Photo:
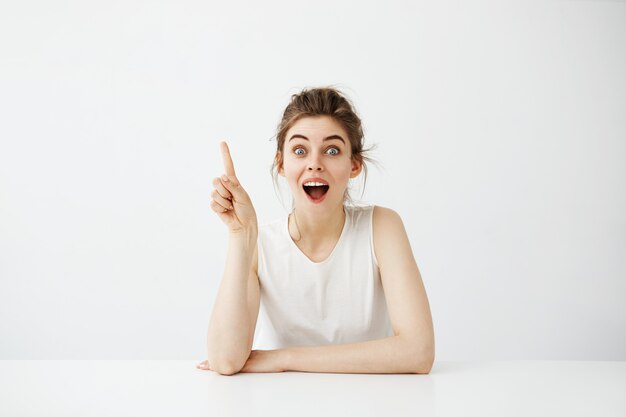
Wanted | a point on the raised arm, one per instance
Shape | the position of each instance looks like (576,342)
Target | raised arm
(228,339)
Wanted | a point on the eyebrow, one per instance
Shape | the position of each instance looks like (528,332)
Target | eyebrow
(331,137)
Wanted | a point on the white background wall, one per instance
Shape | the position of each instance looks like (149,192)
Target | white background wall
(502,139)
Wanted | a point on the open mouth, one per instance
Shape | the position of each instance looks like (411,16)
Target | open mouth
(316,191)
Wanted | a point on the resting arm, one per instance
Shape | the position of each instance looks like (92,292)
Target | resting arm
(391,355)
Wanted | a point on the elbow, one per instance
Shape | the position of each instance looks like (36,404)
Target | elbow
(424,368)
(423,358)
(227,370)
(226,360)
(225,365)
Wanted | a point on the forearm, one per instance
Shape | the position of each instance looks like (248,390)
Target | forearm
(227,340)
(391,355)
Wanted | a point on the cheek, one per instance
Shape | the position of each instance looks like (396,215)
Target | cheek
(291,171)
(293,163)
(343,171)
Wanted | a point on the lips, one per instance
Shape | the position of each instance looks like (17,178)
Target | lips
(316,193)
(315,179)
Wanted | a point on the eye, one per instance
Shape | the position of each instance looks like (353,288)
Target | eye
(332,148)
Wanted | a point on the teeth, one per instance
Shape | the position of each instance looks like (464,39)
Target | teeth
(313,184)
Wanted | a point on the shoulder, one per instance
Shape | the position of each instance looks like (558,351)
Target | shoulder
(388,233)
(384,216)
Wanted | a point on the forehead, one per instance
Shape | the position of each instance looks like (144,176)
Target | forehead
(316,128)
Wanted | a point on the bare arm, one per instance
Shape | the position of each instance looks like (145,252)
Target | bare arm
(229,337)
(391,355)
(229,327)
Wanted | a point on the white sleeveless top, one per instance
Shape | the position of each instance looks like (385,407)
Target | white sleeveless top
(305,303)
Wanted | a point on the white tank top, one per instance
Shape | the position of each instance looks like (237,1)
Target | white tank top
(305,303)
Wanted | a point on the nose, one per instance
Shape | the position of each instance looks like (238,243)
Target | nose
(314,164)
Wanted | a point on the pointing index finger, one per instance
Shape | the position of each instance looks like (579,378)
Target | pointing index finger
(228,162)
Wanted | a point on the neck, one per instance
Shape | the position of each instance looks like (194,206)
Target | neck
(316,228)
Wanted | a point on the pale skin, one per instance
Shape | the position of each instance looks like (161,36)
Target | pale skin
(412,348)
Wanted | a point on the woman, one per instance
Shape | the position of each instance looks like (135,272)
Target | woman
(335,286)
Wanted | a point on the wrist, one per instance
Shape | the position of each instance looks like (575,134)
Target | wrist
(247,235)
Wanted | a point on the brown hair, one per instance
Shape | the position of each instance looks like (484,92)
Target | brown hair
(324,101)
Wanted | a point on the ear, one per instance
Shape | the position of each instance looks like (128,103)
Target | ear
(279,168)
(357,166)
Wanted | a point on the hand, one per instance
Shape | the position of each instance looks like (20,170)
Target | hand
(242,216)
(258,361)
(265,361)
(204,365)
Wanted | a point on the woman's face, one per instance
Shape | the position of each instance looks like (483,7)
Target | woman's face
(318,147)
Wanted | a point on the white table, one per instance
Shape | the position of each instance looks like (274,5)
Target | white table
(177,388)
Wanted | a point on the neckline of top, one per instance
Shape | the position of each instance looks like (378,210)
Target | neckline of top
(341,237)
